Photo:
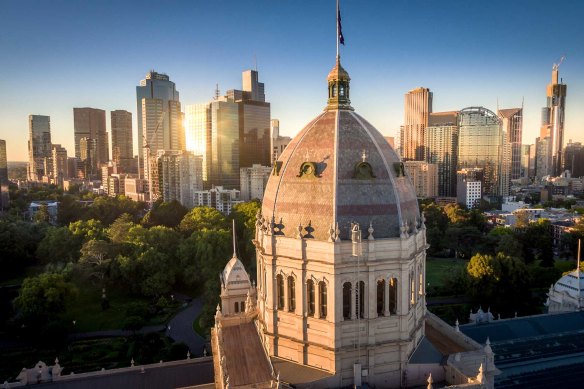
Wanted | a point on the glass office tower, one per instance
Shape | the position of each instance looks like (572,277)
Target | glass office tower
(481,144)
(39,145)
(441,149)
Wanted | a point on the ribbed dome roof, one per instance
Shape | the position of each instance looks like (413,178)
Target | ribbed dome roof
(339,169)
(572,284)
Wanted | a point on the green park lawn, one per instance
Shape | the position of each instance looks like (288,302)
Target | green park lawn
(439,269)
(87,312)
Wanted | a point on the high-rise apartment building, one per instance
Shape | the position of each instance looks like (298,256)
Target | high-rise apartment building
(60,164)
(90,123)
(231,132)
(512,121)
(469,187)
(179,176)
(253,181)
(527,163)
(4,193)
(86,166)
(424,177)
(574,158)
(417,107)
(278,143)
(441,144)
(552,128)
(219,198)
(122,141)
(39,145)
(482,144)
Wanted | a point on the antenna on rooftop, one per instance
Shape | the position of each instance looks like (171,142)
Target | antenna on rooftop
(255,63)
(217,92)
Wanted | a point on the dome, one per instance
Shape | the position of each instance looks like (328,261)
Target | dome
(234,273)
(572,284)
(338,170)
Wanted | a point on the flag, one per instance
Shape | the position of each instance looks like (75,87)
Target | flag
(341,38)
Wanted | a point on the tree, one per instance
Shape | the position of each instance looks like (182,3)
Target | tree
(96,258)
(456,214)
(107,209)
(18,245)
(119,230)
(59,245)
(165,214)
(70,210)
(202,218)
(87,230)
(43,297)
(500,281)
(42,215)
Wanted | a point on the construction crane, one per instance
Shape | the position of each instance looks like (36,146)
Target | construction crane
(557,65)
(147,156)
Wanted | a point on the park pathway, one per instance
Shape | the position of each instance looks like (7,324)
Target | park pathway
(180,328)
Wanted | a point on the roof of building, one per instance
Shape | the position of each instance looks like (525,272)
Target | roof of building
(507,113)
(339,169)
(164,375)
(535,348)
(245,358)
(571,283)
(234,273)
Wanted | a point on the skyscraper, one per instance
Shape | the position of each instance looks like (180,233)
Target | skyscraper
(90,123)
(481,144)
(160,120)
(4,194)
(122,141)
(231,132)
(424,177)
(552,127)
(278,143)
(39,145)
(441,144)
(60,165)
(574,158)
(417,107)
(512,121)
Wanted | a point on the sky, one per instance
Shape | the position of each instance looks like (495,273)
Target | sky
(56,55)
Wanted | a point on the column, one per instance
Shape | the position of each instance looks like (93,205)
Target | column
(354,301)
(386,298)
(317,300)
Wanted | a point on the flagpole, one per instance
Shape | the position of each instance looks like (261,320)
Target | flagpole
(338,30)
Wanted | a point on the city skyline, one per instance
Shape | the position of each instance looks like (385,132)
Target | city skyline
(501,62)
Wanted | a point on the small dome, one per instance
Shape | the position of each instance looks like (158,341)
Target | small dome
(338,73)
(572,284)
(235,275)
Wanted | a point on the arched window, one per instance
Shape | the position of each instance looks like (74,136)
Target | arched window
(380,297)
(242,305)
(421,284)
(322,296)
(334,90)
(360,300)
(412,289)
(310,297)
(280,291)
(341,90)
(236,307)
(393,295)
(347,300)
(291,294)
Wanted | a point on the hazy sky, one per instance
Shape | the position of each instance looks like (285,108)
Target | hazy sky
(56,55)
